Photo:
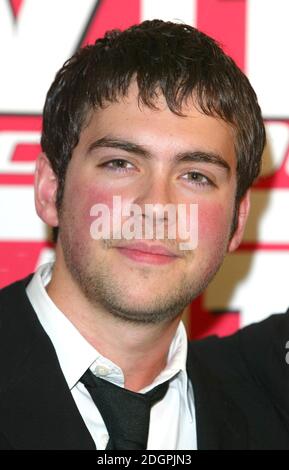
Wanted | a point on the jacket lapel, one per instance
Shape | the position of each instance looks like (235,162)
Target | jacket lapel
(37,408)
(220,423)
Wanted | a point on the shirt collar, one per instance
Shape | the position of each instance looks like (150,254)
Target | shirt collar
(76,354)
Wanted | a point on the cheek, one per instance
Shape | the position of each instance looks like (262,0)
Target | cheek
(214,223)
(79,200)
(95,195)
(82,201)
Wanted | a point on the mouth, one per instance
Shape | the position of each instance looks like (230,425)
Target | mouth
(144,253)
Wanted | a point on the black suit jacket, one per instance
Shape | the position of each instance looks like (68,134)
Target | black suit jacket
(240,385)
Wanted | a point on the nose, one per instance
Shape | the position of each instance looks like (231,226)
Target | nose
(156,194)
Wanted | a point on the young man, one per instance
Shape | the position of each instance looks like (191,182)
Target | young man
(93,350)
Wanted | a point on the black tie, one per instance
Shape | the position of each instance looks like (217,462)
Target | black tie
(126,414)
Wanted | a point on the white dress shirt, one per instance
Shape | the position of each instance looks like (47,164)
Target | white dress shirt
(172,422)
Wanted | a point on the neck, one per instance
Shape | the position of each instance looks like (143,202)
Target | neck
(139,350)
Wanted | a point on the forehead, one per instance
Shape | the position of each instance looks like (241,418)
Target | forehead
(158,127)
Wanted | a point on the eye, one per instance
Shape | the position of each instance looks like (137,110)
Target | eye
(194,177)
(118,165)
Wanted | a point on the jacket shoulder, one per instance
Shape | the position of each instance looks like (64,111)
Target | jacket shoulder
(16,317)
(250,347)
(263,347)
(13,300)
(251,366)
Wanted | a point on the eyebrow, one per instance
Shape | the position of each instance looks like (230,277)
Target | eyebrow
(198,156)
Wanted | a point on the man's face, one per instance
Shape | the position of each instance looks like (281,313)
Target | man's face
(147,156)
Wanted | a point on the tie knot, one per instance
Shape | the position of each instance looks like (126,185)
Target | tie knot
(126,414)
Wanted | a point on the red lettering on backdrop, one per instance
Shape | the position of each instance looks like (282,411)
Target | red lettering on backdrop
(18,259)
(279,179)
(15,7)
(111,14)
(23,152)
(225,21)
(26,152)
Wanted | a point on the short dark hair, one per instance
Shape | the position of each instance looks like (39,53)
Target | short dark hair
(176,59)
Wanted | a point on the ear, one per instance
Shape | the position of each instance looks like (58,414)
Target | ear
(244,208)
(45,187)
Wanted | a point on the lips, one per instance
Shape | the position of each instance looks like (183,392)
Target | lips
(145,253)
(149,249)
